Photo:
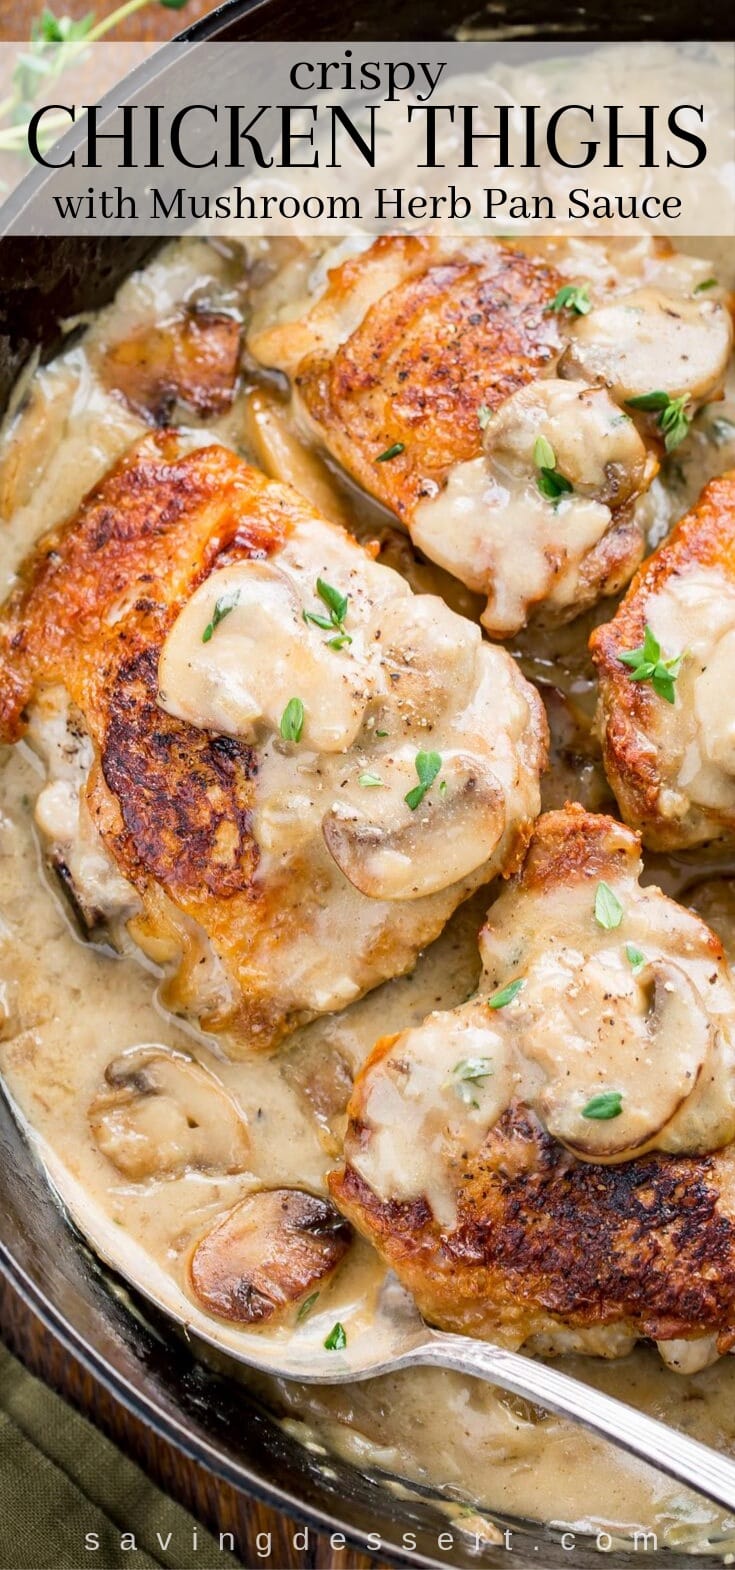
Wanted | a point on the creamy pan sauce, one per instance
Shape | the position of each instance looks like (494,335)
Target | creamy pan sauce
(72,1008)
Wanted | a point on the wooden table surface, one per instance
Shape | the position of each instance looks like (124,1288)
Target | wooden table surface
(218,1505)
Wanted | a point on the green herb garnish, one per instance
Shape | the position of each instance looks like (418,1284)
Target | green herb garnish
(608,1104)
(645,664)
(391,452)
(550,482)
(465,1073)
(368,779)
(573,297)
(608,909)
(306,1306)
(292,720)
(634,956)
(336,604)
(673,420)
(427,766)
(707,283)
(337,1339)
(223,606)
(505,995)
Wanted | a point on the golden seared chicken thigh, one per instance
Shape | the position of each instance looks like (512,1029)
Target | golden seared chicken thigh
(666,664)
(267,758)
(538,1164)
(496,396)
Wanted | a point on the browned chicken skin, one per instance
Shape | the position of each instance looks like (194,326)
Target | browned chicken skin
(451,337)
(480,390)
(495,1225)
(672,764)
(270,883)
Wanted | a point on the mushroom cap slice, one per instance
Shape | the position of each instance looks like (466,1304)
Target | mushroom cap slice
(240,648)
(388,851)
(161,1114)
(266,1254)
(651,1056)
(596,447)
(647,341)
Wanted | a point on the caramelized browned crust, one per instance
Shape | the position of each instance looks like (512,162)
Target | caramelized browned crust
(452,336)
(192,359)
(543,1240)
(630,711)
(264,1256)
(171,802)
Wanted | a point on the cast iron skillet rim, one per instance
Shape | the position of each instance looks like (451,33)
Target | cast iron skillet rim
(164,1426)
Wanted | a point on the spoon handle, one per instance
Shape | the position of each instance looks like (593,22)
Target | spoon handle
(690,1462)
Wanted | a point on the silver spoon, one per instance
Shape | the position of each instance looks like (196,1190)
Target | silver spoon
(398,1338)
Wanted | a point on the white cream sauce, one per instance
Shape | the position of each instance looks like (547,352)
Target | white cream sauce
(71,1008)
(694,614)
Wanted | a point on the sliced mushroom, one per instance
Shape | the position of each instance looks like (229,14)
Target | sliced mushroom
(648,341)
(267,1254)
(596,446)
(389,851)
(162,1114)
(649,1051)
(191,359)
(429,655)
(259,654)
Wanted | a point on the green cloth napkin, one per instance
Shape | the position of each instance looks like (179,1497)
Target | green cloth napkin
(61,1479)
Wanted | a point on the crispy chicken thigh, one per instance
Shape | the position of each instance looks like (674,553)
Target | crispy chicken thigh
(550,1163)
(481,390)
(269,761)
(669,746)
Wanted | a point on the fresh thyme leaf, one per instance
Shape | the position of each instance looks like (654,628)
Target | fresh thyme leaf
(608,1104)
(339,642)
(646,664)
(391,452)
(707,283)
(368,779)
(505,995)
(427,766)
(318,620)
(467,1071)
(544,456)
(381,732)
(550,482)
(634,956)
(336,1341)
(335,601)
(223,606)
(608,909)
(673,420)
(484,416)
(573,297)
(306,1306)
(292,720)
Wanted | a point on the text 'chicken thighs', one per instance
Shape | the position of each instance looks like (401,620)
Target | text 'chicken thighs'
(508,401)
(666,664)
(489,1150)
(269,758)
